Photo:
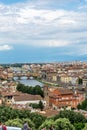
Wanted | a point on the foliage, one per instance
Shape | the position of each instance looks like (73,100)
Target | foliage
(79,125)
(80,81)
(36,106)
(47,124)
(30,123)
(37,119)
(41,106)
(14,122)
(60,124)
(75,118)
(9,116)
(15,117)
(83,105)
(19,123)
(30,90)
(5,113)
(63,124)
(85,128)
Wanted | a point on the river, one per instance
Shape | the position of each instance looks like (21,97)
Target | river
(29,82)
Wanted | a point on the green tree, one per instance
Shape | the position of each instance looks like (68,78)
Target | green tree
(79,125)
(37,119)
(41,105)
(38,90)
(83,105)
(63,124)
(30,90)
(19,123)
(80,81)
(34,105)
(30,123)
(85,128)
(13,117)
(60,124)
(7,113)
(47,124)
(74,117)
(14,122)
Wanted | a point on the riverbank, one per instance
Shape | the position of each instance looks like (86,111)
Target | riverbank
(36,81)
(47,83)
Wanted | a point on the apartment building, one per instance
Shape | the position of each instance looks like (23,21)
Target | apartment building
(65,98)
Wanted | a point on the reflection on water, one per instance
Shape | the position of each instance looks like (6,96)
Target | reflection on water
(29,82)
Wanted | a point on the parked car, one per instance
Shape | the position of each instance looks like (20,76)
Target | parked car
(13,128)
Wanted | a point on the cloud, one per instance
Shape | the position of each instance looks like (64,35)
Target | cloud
(5,47)
(27,23)
(51,43)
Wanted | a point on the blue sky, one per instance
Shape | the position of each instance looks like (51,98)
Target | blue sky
(43,30)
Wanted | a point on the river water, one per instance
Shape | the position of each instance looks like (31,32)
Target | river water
(29,82)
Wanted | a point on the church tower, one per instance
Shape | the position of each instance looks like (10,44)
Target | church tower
(46,95)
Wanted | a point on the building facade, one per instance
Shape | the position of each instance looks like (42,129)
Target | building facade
(65,98)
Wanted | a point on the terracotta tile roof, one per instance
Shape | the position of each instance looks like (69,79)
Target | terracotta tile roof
(26,97)
(9,93)
(62,91)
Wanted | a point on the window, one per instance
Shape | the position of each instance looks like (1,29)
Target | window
(9,97)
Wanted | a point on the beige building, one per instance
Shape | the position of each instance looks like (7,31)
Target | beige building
(65,78)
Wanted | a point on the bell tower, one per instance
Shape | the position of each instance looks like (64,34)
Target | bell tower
(46,95)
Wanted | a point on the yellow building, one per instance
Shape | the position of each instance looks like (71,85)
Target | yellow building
(65,79)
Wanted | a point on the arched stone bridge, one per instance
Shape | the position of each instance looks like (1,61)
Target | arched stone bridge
(28,75)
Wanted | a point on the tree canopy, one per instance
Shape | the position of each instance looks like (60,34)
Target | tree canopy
(40,105)
(85,128)
(83,105)
(59,124)
(77,119)
(64,120)
(30,90)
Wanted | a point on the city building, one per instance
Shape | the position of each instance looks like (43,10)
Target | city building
(65,98)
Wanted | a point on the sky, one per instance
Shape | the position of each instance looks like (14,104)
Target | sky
(36,31)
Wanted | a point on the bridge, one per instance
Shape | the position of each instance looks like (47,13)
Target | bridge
(28,75)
